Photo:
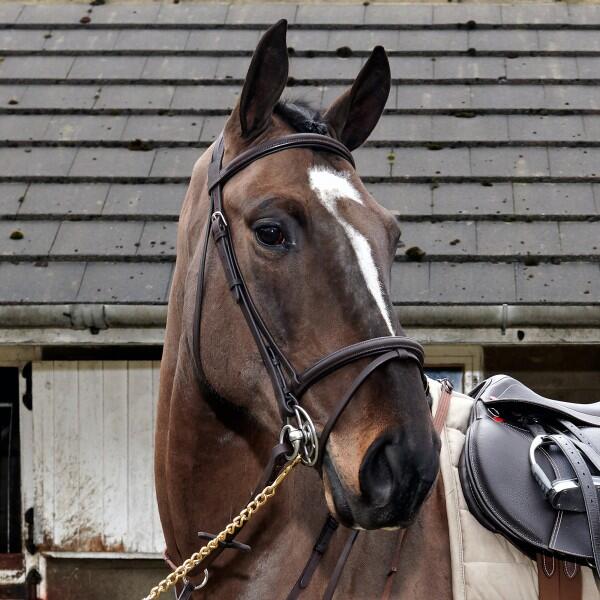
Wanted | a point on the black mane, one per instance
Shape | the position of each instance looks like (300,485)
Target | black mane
(301,116)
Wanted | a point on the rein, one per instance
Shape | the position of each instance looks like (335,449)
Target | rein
(298,439)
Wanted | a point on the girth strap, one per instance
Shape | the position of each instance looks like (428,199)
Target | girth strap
(558,580)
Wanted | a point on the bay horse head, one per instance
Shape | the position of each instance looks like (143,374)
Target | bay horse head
(313,251)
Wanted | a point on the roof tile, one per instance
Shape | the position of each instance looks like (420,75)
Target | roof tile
(541,13)
(125,282)
(193,13)
(64,199)
(114,162)
(458,13)
(11,197)
(567,282)
(41,282)
(518,239)
(33,238)
(440,238)
(554,199)
(261,13)
(479,282)
(89,238)
(399,14)
(351,14)
(158,239)
(473,199)
(9,13)
(36,162)
(148,199)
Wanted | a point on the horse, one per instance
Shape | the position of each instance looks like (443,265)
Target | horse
(315,250)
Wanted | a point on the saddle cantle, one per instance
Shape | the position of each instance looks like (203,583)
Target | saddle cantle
(529,470)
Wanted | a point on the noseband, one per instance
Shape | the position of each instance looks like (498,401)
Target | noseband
(298,431)
(298,434)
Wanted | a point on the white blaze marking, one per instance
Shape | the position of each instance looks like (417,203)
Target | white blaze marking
(330,186)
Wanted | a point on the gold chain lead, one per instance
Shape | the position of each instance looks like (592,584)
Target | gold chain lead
(193,561)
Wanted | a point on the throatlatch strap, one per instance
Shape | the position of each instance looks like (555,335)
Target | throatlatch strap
(341,563)
(389,582)
(319,548)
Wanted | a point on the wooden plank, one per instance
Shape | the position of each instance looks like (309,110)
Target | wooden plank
(91,439)
(27,446)
(140,477)
(43,449)
(115,453)
(158,540)
(66,455)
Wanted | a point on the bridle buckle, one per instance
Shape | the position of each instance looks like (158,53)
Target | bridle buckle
(219,216)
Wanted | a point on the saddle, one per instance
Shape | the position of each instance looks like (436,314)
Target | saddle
(530,470)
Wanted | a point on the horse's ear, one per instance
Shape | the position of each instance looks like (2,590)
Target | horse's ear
(355,113)
(265,81)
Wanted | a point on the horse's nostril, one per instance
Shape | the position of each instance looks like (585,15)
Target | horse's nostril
(380,471)
(395,480)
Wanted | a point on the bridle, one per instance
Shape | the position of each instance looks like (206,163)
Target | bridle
(298,434)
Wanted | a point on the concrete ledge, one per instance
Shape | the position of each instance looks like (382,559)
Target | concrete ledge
(98,317)
(26,327)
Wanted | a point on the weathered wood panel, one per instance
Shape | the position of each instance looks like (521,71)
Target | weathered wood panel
(115,452)
(93,425)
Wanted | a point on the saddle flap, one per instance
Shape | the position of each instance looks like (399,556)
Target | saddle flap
(498,484)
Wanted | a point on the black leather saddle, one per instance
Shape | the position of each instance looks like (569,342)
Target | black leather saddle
(530,470)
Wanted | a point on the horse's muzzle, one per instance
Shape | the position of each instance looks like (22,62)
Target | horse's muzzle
(394,483)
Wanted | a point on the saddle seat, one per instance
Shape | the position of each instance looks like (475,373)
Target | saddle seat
(517,462)
(502,390)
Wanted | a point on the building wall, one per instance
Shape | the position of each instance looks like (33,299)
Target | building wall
(88,470)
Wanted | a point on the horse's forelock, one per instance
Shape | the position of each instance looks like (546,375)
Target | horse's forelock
(301,116)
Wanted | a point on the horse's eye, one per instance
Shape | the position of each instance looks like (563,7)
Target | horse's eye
(270,235)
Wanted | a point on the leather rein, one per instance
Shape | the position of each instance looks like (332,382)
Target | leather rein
(298,435)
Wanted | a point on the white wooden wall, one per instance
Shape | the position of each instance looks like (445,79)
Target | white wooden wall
(93,439)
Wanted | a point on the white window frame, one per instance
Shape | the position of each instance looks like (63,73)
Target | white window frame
(469,357)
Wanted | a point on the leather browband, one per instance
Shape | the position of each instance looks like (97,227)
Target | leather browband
(294,140)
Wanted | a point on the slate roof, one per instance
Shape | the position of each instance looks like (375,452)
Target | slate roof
(489,151)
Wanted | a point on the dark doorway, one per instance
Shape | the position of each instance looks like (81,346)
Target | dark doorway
(565,372)
(10,463)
